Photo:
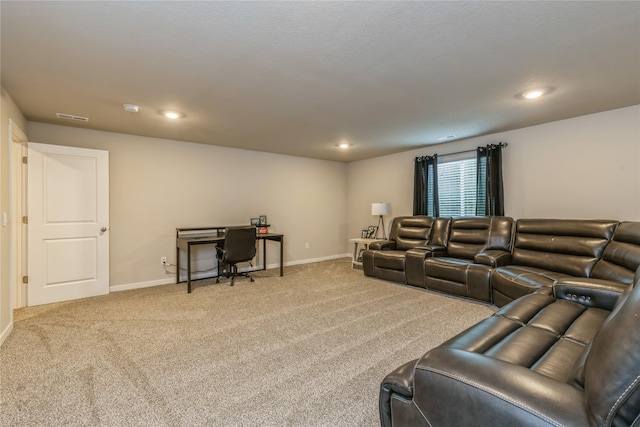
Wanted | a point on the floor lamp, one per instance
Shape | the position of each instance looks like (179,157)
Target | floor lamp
(381,209)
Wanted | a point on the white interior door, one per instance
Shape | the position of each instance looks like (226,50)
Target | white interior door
(68,216)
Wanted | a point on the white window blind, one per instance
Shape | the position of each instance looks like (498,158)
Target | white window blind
(457,187)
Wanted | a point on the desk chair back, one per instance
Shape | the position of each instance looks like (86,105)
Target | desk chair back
(239,246)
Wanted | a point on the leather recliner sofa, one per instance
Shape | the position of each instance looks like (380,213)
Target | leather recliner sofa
(387,259)
(548,250)
(475,247)
(496,260)
(571,358)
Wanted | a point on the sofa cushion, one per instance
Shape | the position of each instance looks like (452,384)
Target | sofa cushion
(621,257)
(393,260)
(514,281)
(412,232)
(571,247)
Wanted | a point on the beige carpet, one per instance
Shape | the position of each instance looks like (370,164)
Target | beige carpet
(306,349)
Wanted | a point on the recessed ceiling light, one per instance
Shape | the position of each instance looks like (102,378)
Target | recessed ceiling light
(344,145)
(172,115)
(534,93)
(131,108)
(444,138)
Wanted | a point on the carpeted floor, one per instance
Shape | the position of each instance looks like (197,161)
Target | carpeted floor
(306,349)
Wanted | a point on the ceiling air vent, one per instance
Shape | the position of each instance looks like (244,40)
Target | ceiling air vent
(72,117)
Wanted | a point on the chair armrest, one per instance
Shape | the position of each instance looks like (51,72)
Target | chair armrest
(596,293)
(384,245)
(457,387)
(493,258)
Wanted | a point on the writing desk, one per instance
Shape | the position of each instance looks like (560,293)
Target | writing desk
(188,237)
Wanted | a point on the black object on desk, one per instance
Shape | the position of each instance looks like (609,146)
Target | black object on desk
(188,237)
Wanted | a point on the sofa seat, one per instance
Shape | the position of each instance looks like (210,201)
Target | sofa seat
(513,281)
(567,359)
(386,265)
(459,276)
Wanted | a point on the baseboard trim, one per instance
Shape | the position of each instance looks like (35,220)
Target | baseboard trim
(170,280)
(6,332)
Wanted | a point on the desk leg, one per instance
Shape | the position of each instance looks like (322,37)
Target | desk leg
(281,256)
(177,265)
(188,268)
(264,254)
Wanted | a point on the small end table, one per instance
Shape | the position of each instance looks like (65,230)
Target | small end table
(360,244)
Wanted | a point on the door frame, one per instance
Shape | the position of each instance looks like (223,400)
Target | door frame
(17,206)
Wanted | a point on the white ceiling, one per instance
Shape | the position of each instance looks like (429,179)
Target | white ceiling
(298,77)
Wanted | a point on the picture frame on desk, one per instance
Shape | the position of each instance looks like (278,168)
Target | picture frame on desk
(359,259)
(262,220)
(364,234)
(255,221)
(371,231)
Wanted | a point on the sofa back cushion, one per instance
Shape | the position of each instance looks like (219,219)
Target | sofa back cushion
(472,235)
(411,231)
(621,257)
(612,367)
(569,246)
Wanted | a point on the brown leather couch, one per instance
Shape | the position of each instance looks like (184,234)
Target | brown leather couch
(570,358)
(387,259)
(475,247)
(547,250)
(497,260)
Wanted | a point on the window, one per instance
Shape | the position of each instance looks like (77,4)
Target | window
(457,186)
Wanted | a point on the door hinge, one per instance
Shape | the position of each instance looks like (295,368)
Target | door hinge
(25,160)
(25,279)
(25,220)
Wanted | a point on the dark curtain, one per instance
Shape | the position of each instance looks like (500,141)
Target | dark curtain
(490,193)
(425,186)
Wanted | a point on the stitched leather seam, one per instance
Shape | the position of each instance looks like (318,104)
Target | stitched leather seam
(617,402)
(498,395)
(422,413)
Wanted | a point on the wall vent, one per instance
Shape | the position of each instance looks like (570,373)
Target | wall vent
(72,117)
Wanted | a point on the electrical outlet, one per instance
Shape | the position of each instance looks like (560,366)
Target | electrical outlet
(163,260)
(306,245)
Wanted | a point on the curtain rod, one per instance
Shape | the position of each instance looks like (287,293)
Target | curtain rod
(501,144)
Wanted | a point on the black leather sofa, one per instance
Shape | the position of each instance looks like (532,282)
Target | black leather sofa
(564,349)
(475,247)
(497,259)
(568,358)
(387,259)
(546,250)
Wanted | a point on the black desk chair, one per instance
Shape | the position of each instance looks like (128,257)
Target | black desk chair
(239,246)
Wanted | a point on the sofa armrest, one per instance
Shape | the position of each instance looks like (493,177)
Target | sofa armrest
(473,389)
(433,250)
(400,381)
(493,258)
(596,293)
(414,263)
(383,245)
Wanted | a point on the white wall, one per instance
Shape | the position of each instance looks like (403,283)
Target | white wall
(585,167)
(157,185)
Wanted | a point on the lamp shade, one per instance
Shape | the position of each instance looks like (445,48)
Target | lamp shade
(380,208)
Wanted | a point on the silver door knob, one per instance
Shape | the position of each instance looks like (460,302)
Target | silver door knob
(103,229)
